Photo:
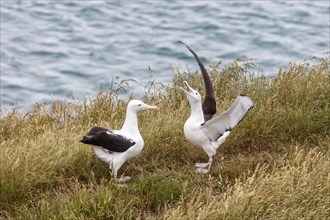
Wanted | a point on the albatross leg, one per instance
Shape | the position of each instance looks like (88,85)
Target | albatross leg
(116,164)
(202,168)
(210,163)
(205,167)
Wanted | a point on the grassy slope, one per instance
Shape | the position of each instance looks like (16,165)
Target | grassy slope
(275,163)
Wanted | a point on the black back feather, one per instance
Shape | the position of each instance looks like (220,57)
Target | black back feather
(103,137)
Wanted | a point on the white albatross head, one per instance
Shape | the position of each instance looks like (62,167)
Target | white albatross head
(193,96)
(137,106)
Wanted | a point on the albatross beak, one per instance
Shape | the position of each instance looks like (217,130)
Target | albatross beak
(189,88)
(151,107)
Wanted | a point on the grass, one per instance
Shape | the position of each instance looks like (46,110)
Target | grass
(275,163)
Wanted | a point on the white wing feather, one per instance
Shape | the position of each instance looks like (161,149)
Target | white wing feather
(215,127)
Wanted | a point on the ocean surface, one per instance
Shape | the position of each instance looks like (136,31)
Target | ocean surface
(55,50)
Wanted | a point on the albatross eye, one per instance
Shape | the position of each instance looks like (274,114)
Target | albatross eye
(139,104)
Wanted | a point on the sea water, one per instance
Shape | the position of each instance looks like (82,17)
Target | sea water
(56,50)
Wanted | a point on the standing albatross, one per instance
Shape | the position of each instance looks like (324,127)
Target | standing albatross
(203,131)
(117,146)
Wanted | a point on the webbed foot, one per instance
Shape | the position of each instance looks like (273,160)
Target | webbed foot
(202,165)
(123,179)
(202,170)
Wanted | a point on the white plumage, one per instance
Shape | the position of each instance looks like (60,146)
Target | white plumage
(117,146)
(211,134)
(200,128)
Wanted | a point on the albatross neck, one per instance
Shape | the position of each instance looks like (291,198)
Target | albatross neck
(197,111)
(131,123)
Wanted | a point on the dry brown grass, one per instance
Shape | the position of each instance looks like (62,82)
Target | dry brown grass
(275,163)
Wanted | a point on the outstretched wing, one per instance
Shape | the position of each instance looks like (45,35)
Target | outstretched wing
(227,121)
(209,104)
(102,137)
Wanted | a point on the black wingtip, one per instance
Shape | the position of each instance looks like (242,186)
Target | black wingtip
(186,46)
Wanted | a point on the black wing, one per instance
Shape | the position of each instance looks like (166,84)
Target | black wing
(94,130)
(102,137)
(209,104)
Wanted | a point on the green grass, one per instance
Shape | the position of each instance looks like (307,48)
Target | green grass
(275,163)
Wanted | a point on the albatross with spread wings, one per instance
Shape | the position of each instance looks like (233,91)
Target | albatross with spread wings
(200,128)
(117,146)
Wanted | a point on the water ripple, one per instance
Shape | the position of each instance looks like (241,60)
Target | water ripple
(53,49)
